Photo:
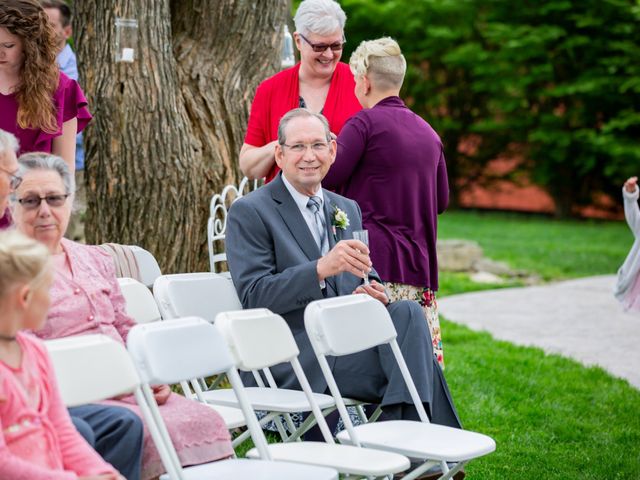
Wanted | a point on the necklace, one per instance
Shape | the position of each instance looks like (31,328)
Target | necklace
(7,338)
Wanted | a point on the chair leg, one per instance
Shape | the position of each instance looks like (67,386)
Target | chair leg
(458,466)
(416,472)
(376,414)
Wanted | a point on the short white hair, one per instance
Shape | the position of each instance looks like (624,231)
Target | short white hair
(8,143)
(31,161)
(381,60)
(322,17)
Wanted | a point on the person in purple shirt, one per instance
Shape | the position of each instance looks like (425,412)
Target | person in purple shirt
(42,107)
(391,162)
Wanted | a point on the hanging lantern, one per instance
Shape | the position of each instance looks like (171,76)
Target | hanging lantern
(288,58)
(126,39)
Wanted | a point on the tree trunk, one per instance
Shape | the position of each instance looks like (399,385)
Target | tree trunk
(168,128)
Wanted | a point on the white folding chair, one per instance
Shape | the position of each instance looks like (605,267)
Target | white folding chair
(195,294)
(205,295)
(140,303)
(259,339)
(142,307)
(90,368)
(167,352)
(349,324)
(147,265)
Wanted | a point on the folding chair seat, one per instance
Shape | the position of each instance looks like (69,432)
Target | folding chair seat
(90,368)
(205,295)
(167,352)
(345,325)
(259,339)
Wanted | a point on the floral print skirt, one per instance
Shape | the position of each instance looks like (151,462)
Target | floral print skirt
(427,300)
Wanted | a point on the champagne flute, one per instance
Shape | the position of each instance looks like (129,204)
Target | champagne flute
(363,236)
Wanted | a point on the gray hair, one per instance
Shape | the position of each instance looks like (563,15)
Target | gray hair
(46,161)
(301,113)
(8,143)
(322,17)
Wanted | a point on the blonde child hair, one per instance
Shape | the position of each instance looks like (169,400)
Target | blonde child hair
(22,259)
(381,60)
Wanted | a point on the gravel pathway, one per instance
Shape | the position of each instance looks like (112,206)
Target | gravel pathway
(579,319)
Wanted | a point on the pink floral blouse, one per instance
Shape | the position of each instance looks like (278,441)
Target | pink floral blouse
(90,301)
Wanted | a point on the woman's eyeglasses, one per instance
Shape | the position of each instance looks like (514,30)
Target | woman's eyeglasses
(14,180)
(32,202)
(321,47)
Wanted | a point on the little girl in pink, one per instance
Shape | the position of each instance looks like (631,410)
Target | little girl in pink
(37,439)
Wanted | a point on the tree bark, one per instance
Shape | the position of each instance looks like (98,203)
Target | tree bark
(168,128)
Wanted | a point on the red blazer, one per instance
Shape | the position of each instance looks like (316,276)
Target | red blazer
(280,93)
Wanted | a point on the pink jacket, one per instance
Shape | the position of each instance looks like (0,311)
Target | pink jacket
(38,440)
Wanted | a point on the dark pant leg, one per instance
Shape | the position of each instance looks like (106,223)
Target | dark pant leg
(118,436)
(84,429)
(415,344)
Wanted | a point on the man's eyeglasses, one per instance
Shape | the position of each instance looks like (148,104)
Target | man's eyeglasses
(32,202)
(14,180)
(321,47)
(317,147)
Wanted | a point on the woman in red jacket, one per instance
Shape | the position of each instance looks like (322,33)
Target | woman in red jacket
(319,82)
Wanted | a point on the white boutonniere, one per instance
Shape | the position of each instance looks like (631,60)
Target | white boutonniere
(339,219)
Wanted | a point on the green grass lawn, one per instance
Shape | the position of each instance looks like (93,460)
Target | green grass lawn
(554,249)
(550,416)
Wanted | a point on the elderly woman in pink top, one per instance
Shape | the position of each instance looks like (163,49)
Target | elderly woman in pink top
(37,439)
(86,298)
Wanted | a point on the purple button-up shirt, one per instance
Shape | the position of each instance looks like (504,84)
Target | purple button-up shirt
(391,162)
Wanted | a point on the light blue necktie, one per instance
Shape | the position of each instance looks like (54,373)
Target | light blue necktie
(314,205)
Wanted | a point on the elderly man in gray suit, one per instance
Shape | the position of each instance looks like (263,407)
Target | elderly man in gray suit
(289,243)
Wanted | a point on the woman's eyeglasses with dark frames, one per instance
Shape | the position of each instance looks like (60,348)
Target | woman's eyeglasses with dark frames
(14,180)
(31,202)
(321,47)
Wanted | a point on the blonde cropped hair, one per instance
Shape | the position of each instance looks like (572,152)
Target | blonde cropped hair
(381,61)
(22,259)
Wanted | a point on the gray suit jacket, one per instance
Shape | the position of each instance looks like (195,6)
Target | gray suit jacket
(272,257)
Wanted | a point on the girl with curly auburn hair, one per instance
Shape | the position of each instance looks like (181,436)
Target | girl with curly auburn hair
(38,79)
(41,106)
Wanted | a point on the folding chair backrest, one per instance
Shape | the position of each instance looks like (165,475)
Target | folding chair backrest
(257,338)
(185,348)
(195,294)
(90,368)
(141,305)
(348,324)
(168,352)
(147,265)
